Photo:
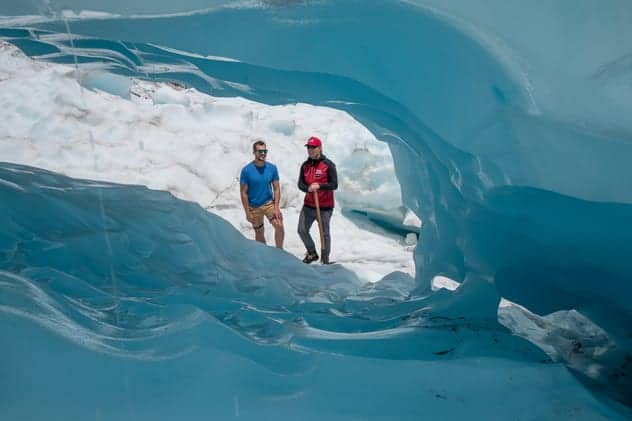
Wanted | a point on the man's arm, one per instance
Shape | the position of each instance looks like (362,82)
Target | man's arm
(302,185)
(332,177)
(243,190)
(276,188)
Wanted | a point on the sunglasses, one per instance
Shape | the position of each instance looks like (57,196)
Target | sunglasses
(261,151)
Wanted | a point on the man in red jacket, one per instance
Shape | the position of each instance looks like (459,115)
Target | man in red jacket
(318,174)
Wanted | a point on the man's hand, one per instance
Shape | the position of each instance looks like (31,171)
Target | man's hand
(250,217)
(313,187)
(277,218)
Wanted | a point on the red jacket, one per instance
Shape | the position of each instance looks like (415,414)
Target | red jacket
(323,172)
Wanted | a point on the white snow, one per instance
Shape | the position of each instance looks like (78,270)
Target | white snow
(170,138)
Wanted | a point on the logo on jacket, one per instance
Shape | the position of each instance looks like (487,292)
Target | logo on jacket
(319,173)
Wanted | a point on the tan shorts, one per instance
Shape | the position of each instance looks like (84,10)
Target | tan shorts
(266,210)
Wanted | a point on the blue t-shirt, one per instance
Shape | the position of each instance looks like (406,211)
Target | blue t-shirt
(259,181)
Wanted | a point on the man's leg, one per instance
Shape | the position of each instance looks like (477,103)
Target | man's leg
(279,231)
(260,234)
(305,221)
(325,217)
(257,225)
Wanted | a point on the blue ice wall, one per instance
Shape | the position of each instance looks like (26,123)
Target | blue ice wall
(465,124)
(119,302)
(511,141)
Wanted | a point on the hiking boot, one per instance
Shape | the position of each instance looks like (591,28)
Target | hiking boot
(310,257)
(325,260)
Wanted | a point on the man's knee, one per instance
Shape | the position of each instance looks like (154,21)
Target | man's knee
(277,223)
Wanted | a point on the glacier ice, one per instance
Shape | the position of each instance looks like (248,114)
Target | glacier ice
(512,146)
(119,301)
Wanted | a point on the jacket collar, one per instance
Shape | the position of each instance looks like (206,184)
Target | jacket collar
(317,160)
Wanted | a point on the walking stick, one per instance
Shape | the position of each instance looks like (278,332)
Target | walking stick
(320,226)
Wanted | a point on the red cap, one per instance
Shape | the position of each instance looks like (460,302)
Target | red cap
(314,141)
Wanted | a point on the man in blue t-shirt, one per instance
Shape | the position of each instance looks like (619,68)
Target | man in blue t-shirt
(257,181)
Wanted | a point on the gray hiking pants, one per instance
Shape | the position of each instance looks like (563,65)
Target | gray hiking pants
(305,221)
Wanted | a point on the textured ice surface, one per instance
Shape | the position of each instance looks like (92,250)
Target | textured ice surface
(119,301)
(512,146)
